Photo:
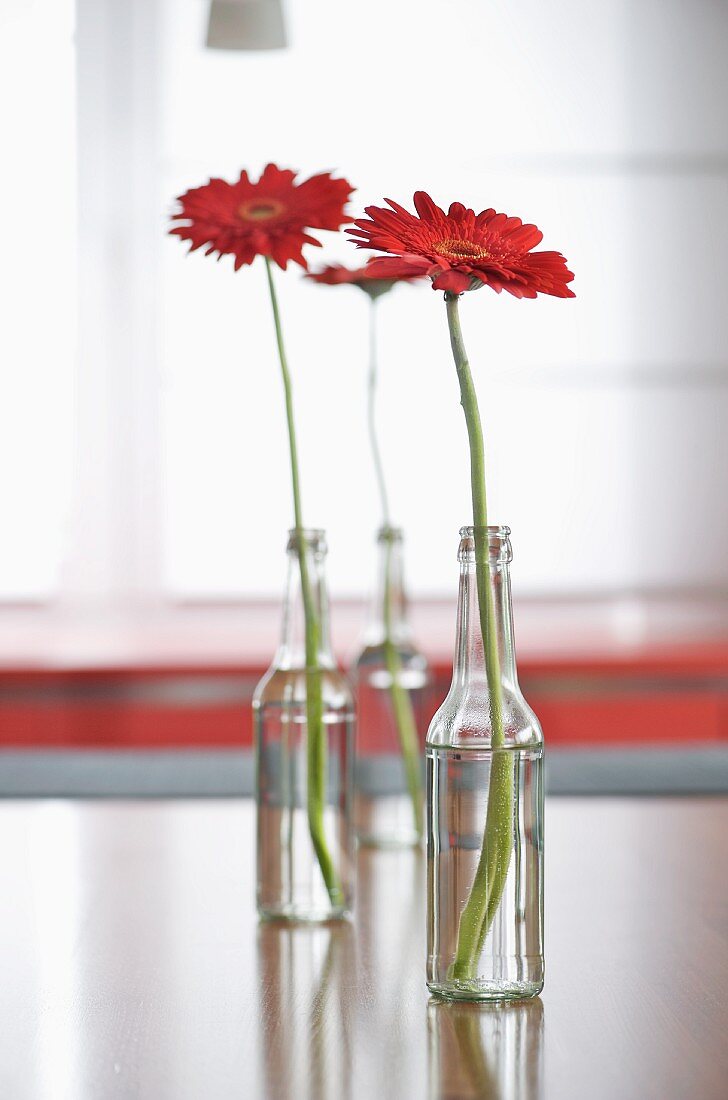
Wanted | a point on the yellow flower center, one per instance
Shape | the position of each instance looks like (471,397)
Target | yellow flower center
(260,210)
(452,248)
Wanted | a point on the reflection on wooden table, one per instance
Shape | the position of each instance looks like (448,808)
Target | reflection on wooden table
(493,1052)
(305,1014)
(134,966)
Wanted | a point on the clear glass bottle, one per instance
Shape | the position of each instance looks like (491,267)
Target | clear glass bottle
(290,874)
(392,697)
(484,808)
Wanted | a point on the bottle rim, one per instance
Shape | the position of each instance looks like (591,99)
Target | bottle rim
(499,544)
(313,537)
(497,530)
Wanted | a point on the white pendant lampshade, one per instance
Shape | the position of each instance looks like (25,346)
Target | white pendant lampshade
(246,25)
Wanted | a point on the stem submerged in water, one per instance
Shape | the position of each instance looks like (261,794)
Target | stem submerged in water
(404,715)
(490,875)
(315,737)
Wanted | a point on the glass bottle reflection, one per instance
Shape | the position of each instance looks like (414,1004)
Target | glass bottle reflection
(485,1051)
(391,944)
(305,1025)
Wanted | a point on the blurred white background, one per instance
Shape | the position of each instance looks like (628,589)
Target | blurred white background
(142,430)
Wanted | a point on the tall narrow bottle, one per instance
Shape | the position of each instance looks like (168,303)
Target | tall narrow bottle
(485,809)
(392,694)
(291,882)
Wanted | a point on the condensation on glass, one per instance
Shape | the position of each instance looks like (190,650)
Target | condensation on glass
(290,882)
(393,695)
(464,772)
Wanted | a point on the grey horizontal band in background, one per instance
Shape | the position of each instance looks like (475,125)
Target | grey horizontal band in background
(229,773)
(75,773)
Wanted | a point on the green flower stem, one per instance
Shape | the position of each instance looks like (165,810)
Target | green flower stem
(315,738)
(371,413)
(492,870)
(404,715)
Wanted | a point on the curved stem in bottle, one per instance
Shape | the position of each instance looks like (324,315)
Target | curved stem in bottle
(404,715)
(495,854)
(315,738)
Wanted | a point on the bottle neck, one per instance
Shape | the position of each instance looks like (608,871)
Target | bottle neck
(291,652)
(469,666)
(388,614)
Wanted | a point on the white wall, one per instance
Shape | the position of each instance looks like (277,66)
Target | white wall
(605,416)
(37,291)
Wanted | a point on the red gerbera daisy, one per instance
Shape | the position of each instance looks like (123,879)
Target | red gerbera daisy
(267,218)
(461,250)
(362,277)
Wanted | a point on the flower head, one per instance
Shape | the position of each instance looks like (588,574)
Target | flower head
(362,277)
(267,218)
(461,250)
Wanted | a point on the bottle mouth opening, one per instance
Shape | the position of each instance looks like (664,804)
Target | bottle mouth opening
(314,538)
(498,542)
(389,534)
(496,530)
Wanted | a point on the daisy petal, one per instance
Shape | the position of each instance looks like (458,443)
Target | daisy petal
(462,250)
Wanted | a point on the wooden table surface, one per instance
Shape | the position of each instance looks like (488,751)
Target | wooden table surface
(132,965)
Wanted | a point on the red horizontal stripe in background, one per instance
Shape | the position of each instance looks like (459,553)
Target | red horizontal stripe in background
(659,698)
